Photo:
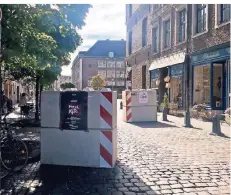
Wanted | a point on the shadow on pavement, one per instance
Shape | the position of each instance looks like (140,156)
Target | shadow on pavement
(153,124)
(56,180)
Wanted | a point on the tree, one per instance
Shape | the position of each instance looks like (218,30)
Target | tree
(67,85)
(38,39)
(98,82)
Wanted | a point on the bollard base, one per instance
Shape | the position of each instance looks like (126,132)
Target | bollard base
(187,120)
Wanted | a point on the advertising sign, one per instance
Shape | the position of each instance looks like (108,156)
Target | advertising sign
(143,97)
(74,110)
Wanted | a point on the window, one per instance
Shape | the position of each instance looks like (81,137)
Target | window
(110,74)
(130,10)
(130,43)
(110,83)
(201,85)
(225,13)
(201,12)
(102,64)
(110,64)
(182,25)
(119,74)
(120,64)
(144,32)
(102,73)
(155,39)
(167,33)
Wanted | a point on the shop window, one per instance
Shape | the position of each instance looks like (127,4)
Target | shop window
(217,85)
(155,78)
(201,85)
(176,89)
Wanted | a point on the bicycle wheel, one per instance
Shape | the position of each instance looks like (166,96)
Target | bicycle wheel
(19,150)
(3,171)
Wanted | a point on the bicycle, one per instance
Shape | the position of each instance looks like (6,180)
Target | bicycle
(14,152)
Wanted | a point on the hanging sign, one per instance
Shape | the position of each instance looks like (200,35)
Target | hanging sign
(74,110)
(143,97)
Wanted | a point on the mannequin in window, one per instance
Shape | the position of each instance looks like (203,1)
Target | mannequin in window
(219,83)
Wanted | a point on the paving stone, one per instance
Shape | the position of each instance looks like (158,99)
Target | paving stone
(166,191)
(151,157)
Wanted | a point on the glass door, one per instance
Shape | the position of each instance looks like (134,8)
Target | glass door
(218,88)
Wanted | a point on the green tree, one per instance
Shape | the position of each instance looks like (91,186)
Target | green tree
(38,39)
(67,85)
(98,82)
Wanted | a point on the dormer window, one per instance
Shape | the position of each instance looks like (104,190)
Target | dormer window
(111,55)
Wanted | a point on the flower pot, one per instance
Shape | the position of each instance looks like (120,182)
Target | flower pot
(165,113)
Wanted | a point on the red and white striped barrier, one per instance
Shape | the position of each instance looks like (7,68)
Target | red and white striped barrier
(128,107)
(106,149)
(106,110)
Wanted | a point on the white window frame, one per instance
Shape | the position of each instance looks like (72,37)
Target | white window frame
(112,64)
(121,64)
(164,19)
(178,10)
(156,25)
(194,21)
(218,16)
(105,64)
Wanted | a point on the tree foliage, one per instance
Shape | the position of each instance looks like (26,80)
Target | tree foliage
(67,85)
(38,39)
(98,82)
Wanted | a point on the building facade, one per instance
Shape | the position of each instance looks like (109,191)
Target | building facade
(159,37)
(106,58)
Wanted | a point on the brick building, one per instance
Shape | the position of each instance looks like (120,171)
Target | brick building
(105,57)
(156,48)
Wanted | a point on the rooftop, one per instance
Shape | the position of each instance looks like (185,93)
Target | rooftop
(102,48)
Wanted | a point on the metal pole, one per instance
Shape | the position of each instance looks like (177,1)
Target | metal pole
(187,121)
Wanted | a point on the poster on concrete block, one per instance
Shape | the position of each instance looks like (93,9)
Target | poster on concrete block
(143,97)
(73,110)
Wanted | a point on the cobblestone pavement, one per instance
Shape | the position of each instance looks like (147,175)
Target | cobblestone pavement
(153,158)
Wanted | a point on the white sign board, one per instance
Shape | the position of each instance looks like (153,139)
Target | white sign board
(143,97)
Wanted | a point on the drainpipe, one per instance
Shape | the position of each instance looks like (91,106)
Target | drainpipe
(187,120)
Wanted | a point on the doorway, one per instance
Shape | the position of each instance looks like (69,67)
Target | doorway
(218,88)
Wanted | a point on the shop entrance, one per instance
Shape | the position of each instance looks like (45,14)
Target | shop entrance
(162,88)
(218,88)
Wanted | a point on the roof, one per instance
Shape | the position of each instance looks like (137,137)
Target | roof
(102,48)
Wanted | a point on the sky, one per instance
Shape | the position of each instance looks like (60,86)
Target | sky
(102,22)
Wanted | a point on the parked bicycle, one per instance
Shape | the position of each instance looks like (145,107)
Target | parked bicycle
(14,152)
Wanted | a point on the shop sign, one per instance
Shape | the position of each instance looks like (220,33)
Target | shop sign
(143,97)
(74,110)
(209,56)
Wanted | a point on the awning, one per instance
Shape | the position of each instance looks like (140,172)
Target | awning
(177,58)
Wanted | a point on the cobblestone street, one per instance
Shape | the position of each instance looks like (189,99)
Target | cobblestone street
(153,158)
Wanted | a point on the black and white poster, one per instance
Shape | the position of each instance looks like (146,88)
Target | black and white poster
(74,110)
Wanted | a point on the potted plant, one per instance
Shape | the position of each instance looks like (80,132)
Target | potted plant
(164,106)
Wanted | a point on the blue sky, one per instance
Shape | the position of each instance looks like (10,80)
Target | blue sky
(103,22)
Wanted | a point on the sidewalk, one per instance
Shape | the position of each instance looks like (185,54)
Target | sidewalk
(198,124)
